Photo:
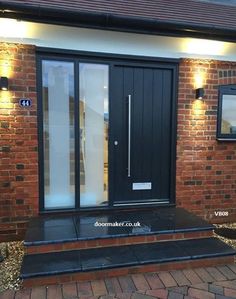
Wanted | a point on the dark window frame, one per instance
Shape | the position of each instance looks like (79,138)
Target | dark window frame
(229,89)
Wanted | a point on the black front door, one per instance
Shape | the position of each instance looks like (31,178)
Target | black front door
(142,145)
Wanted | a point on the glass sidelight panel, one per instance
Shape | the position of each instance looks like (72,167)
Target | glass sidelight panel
(93,91)
(58,133)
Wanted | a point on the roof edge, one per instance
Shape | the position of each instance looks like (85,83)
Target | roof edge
(107,21)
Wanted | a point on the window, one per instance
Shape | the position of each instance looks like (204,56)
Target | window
(93,92)
(74,134)
(58,134)
(226,123)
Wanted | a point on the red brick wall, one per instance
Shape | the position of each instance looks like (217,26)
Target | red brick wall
(18,141)
(206,168)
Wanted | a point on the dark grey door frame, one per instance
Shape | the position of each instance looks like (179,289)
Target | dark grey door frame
(112,60)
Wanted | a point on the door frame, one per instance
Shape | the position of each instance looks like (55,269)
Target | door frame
(111,60)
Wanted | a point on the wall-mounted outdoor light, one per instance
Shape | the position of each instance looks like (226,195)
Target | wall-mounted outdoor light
(3,83)
(199,93)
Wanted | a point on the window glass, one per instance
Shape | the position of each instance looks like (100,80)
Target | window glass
(94,116)
(58,134)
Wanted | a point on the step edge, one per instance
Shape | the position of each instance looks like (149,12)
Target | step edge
(161,261)
(189,230)
(159,242)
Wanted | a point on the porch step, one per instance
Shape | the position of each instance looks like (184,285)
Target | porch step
(57,233)
(86,264)
(104,242)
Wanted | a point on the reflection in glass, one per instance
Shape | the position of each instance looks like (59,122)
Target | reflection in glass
(58,134)
(93,91)
(228,123)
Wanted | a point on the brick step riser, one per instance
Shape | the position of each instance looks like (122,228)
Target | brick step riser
(100,274)
(85,244)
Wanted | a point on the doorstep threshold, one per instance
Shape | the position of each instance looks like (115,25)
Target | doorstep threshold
(73,228)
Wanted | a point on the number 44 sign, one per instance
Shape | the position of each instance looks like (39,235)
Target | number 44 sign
(25,102)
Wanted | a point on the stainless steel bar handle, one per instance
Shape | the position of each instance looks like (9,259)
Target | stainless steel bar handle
(129,133)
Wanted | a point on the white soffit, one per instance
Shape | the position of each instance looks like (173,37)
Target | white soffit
(73,38)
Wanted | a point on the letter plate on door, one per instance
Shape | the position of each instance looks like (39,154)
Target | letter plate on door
(142,186)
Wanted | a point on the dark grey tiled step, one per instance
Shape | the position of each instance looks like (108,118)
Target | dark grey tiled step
(160,252)
(202,248)
(57,229)
(122,256)
(107,258)
(51,263)
(226,232)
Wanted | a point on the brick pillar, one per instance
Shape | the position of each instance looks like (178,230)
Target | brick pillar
(206,168)
(18,141)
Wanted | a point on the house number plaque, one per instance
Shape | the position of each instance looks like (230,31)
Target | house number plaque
(25,102)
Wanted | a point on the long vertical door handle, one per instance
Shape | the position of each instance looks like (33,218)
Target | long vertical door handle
(129,134)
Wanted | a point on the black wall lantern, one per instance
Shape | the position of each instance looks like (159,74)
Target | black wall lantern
(200,93)
(3,83)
